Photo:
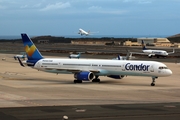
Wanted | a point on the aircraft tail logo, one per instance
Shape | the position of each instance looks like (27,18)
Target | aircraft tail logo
(30,49)
(119,58)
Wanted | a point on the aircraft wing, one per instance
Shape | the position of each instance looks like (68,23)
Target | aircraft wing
(73,70)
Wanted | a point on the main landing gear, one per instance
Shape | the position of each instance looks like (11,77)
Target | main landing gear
(96,79)
(153,81)
(77,81)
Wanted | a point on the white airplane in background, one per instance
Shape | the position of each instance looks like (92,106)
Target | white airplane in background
(127,57)
(83,32)
(75,55)
(23,56)
(91,69)
(151,53)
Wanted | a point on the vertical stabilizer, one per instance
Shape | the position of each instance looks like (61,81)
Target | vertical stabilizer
(119,57)
(32,52)
(143,45)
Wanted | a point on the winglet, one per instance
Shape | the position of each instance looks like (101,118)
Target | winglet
(172,51)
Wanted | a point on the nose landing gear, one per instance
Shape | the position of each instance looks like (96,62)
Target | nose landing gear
(153,81)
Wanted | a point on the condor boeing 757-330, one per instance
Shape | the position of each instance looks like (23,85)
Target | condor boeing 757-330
(91,69)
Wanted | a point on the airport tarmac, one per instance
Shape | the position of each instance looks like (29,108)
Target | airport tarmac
(28,94)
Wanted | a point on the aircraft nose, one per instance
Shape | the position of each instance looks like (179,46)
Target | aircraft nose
(169,72)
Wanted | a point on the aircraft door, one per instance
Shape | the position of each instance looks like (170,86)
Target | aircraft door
(38,64)
(123,67)
(59,65)
(151,68)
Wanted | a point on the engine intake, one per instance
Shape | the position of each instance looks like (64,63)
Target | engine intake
(150,56)
(85,76)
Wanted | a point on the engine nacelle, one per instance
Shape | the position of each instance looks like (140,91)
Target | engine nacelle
(116,76)
(85,76)
(150,56)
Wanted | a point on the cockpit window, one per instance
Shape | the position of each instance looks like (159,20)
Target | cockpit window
(161,67)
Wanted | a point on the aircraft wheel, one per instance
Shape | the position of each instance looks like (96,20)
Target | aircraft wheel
(150,56)
(153,81)
(152,84)
(77,81)
(96,80)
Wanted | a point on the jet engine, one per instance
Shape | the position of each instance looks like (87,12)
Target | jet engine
(150,56)
(116,76)
(85,76)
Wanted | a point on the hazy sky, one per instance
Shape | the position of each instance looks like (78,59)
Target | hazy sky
(109,17)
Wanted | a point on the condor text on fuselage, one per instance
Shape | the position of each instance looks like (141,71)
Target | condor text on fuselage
(140,67)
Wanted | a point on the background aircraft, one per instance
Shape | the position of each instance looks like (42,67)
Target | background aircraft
(21,56)
(83,32)
(151,53)
(91,69)
(127,57)
(75,55)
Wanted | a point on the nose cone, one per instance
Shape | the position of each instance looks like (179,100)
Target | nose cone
(169,72)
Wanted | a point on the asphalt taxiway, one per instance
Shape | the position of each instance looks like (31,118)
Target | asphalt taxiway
(28,94)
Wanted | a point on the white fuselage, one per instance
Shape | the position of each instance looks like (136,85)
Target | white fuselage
(104,67)
(156,52)
(82,32)
(74,56)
